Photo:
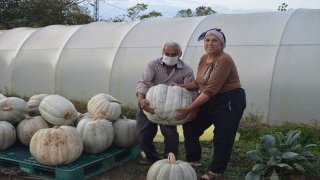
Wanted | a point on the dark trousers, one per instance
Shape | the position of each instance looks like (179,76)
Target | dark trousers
(224,111)
(147,130)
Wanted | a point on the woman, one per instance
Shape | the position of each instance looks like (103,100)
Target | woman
(221,103)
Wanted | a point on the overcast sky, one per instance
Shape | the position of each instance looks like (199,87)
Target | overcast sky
(169,8)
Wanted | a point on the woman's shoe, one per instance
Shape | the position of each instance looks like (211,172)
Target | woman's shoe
(209,176)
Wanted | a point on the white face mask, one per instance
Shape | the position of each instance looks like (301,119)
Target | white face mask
(170,61)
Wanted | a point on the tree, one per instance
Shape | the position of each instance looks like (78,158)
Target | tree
(151,14)
(204,11)
(184,13)
(133,14)
(39,13)
(283,7)
(199,11)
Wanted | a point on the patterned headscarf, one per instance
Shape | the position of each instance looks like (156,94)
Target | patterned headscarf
(216,32)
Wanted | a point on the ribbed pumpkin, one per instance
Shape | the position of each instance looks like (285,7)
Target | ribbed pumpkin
(106,105)
(28,127)
(2,96)
(58,110)
(7,135)
(56,146)
(97,134)
(34,103)
(165,99)
(170,169)
(13,110)
(125,132)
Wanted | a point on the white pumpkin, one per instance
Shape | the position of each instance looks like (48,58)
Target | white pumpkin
(97,134)
(58,110)
(34,103)
(106,105)
(2,96)
(125,132)
(170,169)
(56,146)
(28,127)
(13,110)
(7,135)
(165,99)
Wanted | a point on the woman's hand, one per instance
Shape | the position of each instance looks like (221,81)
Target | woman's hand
(184,112)
(145,105)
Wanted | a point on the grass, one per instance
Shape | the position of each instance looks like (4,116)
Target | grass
(250,130)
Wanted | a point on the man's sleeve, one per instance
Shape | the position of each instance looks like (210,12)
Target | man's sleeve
(146,78)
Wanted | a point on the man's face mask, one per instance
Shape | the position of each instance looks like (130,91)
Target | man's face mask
(170,61)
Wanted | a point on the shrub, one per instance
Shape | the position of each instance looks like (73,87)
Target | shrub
(279,155)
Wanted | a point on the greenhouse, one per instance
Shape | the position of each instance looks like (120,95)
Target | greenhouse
(277,55)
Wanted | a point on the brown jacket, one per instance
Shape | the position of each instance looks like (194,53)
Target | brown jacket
(219,76)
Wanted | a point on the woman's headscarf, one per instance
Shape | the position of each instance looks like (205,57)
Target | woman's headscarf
(216,32)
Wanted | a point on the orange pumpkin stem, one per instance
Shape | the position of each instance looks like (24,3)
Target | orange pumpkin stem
(7,108)
(116,101)
(171,158)
(100,116)
(68,115)
(56,127)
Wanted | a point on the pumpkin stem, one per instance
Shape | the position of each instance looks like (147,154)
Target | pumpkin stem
(68,115)
(6,108)
(100,116)
(116,101)
(28,117)
(81,115)
(171,158)
(124,117)
(56,127)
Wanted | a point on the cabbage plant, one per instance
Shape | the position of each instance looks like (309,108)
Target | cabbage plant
(278,155)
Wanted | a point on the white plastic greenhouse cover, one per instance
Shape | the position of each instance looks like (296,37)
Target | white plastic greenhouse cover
(277,55)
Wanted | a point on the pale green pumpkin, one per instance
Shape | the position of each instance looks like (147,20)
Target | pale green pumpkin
(13,110)
(58,110)
(56,146)
(28,127)
(106,105)
(7,135)
(125,132)
(165,100)
(170,169)
(97,134)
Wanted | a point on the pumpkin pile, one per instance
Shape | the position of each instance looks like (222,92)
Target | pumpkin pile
(57,133)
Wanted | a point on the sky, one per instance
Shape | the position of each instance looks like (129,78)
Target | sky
(169,8)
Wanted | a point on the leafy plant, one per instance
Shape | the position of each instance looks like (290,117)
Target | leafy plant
(279,155)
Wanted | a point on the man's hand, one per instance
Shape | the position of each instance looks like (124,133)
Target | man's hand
(173,84)
(145,105)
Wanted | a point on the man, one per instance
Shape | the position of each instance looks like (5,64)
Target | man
(164,70)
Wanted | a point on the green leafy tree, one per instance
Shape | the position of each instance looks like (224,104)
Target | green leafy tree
(133,14)
(199,11)
(39,13)
(9,15)
(151,14)
(184,13)
(204,11)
